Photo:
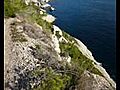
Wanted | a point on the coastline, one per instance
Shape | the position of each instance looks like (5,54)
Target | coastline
(82,47)
(85,51)
(88,54)
(40,45)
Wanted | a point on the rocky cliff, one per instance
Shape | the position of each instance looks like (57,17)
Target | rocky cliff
(40,56)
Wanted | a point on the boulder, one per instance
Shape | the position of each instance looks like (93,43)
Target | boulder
(47,7)
(49,18)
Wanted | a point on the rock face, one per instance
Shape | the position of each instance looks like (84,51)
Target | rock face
(88,54)
(89,81)
(23,57)
(49,18)
(47,7)
(84,49)
(31,51)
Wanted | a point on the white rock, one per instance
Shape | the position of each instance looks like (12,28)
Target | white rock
(19,28)
(84,50)
(13,49)
(27,2)
(59,58)
(37,65)
(106,75)
(42,62)
(46,6)
(34,1)
(27,60)
(18,20)
(41,12)
(69,59)
(52,8)
(56,43)
(45,0)
(62,39)
(32,85)
(49,18)
(57,29)
(16,81)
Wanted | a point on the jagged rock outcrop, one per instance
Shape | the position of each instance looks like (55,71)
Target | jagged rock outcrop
(90,81)
(88,54)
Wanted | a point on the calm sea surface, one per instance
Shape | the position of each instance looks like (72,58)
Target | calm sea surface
(93,22)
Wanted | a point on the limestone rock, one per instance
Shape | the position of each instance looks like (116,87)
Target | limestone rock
(49,18)
(88,54)
(90,81)
(56,43)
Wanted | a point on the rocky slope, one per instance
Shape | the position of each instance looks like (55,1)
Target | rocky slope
(40,56)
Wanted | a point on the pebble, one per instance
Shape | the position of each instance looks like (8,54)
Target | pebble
(27,60)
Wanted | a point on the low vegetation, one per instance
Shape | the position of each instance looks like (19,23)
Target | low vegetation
(30,13)
(51,80)
(68,37)
(11,7)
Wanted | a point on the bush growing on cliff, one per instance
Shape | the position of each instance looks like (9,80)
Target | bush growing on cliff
(52,81)
(11,7)
(34,16)
(30,13)
(68,37)
(45,25)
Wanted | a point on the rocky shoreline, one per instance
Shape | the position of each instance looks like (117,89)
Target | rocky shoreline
(97,64)
(88,54)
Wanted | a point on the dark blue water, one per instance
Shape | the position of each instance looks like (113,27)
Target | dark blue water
(93,22)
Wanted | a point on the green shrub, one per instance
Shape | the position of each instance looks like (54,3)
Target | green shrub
(68,37)
(31,13)
(53,81)
(36,17)
(11,7)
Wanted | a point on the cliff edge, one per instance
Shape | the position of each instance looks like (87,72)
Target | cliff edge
(40,56)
